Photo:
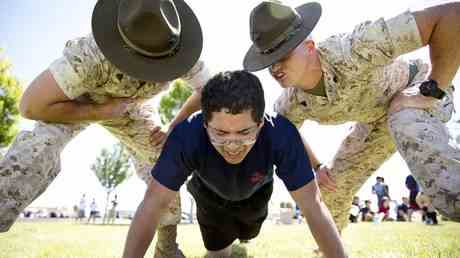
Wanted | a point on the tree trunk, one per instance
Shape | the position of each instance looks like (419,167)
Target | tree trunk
(105,218)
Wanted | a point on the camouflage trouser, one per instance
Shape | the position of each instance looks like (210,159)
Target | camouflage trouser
(359,156)
(424,142)
(30,165)
(33,161)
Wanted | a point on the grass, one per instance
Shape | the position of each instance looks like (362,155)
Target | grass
(389,240)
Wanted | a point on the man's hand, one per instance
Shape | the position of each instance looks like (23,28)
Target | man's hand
(325,179)
(114,108)
(158,137)
(410,98)
(319,220)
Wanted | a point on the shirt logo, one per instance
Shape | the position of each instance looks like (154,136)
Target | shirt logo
(256,177)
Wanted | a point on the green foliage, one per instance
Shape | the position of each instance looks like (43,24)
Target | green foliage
(10,92)
(171,103)
(112,167)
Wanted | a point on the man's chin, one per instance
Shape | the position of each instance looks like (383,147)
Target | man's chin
(233,161)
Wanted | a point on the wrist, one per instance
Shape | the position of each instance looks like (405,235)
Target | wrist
(430,89)
(317,166)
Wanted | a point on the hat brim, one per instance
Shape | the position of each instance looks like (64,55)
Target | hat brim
(255,60)
(108,39)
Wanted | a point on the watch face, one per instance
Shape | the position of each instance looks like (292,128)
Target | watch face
(430,89)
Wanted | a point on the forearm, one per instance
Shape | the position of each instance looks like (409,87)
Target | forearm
(192,105)
(69,112)
(444,47)
(319,220)
(324,230)
(141,232)
(440,29)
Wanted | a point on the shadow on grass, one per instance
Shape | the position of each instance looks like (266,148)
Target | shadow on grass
(240,251)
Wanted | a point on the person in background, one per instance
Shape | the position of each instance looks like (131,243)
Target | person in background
(384,209)
(113,211)
(430,216)
(366,212)
(355,210)
(93,211)
(81,208)
(380,189)
(414,189)
(403,210)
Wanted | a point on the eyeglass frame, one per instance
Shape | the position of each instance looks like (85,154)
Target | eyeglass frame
(249,141)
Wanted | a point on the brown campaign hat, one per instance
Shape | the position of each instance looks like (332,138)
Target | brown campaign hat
(151,40)
(276,29)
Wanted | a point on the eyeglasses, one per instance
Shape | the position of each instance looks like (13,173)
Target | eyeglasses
(249,139)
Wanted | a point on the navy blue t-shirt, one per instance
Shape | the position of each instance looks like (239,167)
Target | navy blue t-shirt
(188,151)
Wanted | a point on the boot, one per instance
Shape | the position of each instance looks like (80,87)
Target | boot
(166,246)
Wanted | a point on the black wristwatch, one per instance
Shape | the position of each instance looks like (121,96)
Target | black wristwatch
(430,88)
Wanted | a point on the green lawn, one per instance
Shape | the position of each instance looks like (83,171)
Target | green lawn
(390,239)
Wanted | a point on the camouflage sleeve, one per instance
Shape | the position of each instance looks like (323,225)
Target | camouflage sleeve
(197,76)
(380,42)
(288,106)
(79,69)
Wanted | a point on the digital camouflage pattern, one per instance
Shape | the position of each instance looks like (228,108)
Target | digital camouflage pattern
(83,73)
(432,156)
(30,165)
(361,76)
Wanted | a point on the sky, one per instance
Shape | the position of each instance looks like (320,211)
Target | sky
(33,33)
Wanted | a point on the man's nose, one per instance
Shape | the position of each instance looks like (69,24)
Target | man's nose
(275,67)
(232,146)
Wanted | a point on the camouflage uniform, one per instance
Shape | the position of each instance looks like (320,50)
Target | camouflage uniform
(33,160)
(361,76)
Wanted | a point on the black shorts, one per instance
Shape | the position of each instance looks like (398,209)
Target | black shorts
(222,221)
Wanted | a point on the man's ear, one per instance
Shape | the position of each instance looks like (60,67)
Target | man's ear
(261,124)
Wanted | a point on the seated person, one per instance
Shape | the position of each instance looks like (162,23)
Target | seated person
(430,215)
(384,209)
(402,212)
(354,211)
(366,212)
(230,151)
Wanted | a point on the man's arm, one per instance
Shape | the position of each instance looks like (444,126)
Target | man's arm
(197,77)
(142,230)
(319,220)
(192,105)
(44,100)
(439,27)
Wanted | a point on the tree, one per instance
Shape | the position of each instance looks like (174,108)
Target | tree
(173,100)
(112,168)
(10,92)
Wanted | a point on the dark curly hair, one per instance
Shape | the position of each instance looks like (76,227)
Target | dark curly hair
(236,91)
